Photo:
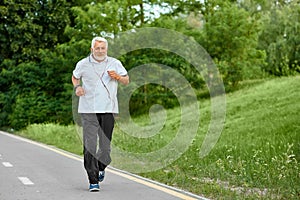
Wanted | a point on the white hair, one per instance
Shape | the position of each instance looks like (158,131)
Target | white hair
(99,39)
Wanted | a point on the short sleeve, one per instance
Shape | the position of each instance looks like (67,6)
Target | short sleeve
(77,71)
(120,69)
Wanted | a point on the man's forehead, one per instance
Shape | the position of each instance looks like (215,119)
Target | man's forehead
(99,43)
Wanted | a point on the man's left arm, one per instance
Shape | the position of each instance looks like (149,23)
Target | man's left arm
(124,79)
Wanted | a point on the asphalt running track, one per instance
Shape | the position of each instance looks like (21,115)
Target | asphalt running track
(34,171)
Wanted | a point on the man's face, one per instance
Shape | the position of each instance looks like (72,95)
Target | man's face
(99,51)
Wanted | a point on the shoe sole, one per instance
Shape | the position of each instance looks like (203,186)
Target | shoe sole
(95,190)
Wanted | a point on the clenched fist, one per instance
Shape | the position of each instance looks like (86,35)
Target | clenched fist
(79,91)
(114,75)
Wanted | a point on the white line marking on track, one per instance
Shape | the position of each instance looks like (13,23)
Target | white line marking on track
(25,181)
(7,164)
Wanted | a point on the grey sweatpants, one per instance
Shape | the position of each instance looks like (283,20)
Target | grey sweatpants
(97,135)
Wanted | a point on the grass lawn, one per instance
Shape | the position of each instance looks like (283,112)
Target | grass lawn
(256,157)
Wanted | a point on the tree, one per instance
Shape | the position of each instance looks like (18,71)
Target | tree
(28,26)
(280,38)
(230,36)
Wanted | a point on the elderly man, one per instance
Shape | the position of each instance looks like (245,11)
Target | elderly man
(95,79)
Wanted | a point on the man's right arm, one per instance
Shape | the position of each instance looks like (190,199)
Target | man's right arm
(79,91)
(75,81)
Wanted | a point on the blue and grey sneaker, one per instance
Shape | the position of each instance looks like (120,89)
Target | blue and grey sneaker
(94,187)
(101,175)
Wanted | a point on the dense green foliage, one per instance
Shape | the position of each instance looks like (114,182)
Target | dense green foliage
(256,157)
(41,41)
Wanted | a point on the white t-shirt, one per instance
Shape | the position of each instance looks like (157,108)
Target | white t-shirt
(100,90)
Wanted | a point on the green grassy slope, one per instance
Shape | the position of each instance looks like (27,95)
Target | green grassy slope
(257,155)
